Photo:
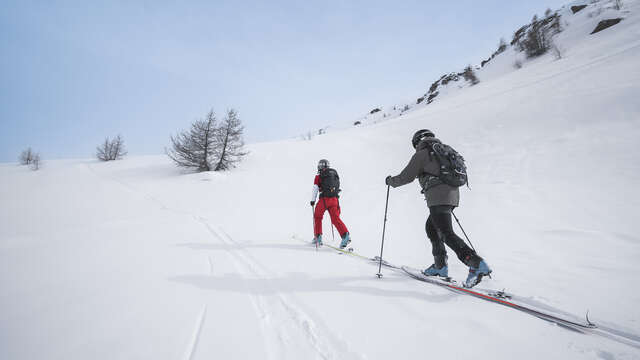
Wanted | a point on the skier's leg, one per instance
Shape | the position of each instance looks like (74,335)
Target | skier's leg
(441,218)
(439,267)
(334,212)
(478,268)
(437,246)
(317,217)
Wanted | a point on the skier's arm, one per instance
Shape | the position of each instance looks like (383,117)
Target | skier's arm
(410,172)
(315,189)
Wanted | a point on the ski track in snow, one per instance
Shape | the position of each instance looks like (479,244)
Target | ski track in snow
(284,324)
(283,321)
(193,344)
(134,190)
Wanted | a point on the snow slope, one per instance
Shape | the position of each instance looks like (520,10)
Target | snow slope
(575,34)
(134,259)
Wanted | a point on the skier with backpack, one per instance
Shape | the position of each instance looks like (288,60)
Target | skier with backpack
(440,171)
(327,183)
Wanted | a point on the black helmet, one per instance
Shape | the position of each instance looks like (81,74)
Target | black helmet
(323,164)
(419,135)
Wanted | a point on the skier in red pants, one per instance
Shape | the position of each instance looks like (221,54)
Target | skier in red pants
(327,182)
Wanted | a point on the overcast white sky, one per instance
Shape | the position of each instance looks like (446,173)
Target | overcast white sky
(74,72)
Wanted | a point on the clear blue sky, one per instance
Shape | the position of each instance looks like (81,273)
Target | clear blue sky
(74,72)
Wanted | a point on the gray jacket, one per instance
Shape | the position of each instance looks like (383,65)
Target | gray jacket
(424,166)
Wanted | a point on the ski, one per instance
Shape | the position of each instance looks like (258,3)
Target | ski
(499,297)
(348,251)
(385,263)
(495,296)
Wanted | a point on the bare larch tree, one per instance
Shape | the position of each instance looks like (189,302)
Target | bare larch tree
(26,156)
(196,148)
(230,142)
(617,4)
(111,149)
(31,158)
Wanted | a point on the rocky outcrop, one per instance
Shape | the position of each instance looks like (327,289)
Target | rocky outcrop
(605,24)
(535,38)
(577,8)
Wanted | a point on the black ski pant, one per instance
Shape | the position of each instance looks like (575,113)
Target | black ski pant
(440,231)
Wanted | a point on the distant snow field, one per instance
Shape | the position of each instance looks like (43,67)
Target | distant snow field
(134,259)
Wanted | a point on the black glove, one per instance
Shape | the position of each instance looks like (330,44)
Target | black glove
(386,180)
(312,203)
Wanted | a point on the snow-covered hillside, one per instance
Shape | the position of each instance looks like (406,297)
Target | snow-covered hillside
(135,260)
(575,23)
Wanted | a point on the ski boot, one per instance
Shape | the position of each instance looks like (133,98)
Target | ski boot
(346,239)
(317,240)
(477,273)
(439,267)
(432,270)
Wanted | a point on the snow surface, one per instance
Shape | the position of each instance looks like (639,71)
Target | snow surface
(135,260)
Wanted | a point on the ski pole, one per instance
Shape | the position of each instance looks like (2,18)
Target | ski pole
(461,228)
(384,227)
(333,235)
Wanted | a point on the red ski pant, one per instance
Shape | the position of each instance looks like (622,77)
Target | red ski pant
(331,204)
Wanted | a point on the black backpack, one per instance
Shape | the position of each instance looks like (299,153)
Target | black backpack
(453,170)
(329,183)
